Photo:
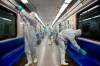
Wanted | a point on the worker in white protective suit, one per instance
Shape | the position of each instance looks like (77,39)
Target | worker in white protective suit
(47,31)
(51,34)
(68,35)
(29,35)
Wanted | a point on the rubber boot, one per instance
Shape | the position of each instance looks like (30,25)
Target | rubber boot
(35,60)
(29,59)
(83,52)
(63,63)
(49,41)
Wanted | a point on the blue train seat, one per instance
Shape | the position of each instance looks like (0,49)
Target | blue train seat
(92,58)
(11,52)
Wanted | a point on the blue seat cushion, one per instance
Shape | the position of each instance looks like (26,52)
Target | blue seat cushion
(12,57)
(11,52)
(90,59)
(10,45)
(92,48)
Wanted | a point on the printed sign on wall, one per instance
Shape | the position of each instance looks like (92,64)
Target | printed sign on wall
(72,21)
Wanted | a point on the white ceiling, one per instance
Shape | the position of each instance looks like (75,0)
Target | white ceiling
(46,9)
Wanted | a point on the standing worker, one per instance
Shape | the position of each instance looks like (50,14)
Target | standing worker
(29,35)
(65,36)
(50,34)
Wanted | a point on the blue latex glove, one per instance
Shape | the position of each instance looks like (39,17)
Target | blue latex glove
(19,8)
(52,33)
(83,52)
(43,26)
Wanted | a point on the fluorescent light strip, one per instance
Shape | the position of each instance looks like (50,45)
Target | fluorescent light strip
(86,19)
(55,19)
(5,19)
(58,15)
(39,19)
(93,8)
(68,1)
(96,16)
(63,7)
(24,1)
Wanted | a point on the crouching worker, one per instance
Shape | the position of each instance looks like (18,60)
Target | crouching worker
(69,35)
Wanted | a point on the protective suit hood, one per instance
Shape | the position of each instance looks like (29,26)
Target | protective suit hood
(78,32)
(32,14)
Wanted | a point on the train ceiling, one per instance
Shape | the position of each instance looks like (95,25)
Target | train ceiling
(46,9)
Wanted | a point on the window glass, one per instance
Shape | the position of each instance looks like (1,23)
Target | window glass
(89,22)
(7,24)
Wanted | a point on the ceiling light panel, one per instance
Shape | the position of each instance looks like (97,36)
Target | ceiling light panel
(24,1)
(68,1)
(63,7)
(58,14)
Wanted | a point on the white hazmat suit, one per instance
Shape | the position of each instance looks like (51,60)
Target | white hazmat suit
(51,34)
(29,35)
(64,36)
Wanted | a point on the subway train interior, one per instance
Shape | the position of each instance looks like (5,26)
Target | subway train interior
(49,32)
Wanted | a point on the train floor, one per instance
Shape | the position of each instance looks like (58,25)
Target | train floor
(48,54)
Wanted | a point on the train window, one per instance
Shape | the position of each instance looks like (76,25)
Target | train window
(7,24)
(89,22)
